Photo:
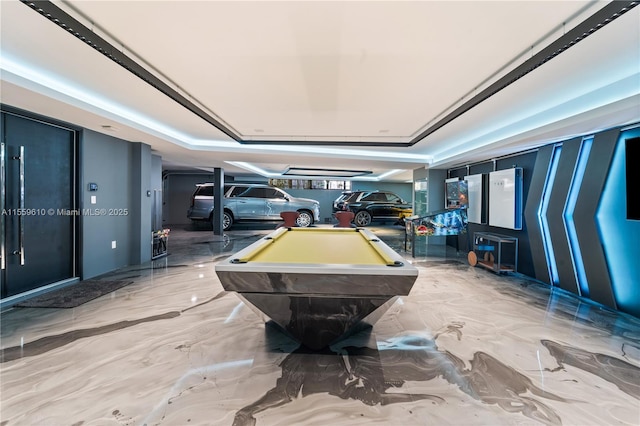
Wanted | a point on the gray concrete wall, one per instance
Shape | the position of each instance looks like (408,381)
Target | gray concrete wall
(140,196)
(122,212)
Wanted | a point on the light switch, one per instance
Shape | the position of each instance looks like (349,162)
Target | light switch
(113,244)
(94,199)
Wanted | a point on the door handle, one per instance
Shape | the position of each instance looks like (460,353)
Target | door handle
(3,262)
(21,205)
(21,217)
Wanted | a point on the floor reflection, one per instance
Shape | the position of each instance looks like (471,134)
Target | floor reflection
(623,374)
(465,347)
(354,373)
(357,373)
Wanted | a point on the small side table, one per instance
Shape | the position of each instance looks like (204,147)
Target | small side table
(488,251)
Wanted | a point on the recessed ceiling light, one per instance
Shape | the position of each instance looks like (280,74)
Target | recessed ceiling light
(108,128)
(384,131)
(259,130)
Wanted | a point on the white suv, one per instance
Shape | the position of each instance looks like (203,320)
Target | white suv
(251,202)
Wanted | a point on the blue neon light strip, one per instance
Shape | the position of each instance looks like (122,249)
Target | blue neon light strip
(569,225)
(542,217)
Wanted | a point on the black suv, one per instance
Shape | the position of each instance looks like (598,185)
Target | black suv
(373,205)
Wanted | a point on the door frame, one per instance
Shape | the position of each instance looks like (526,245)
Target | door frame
(76,134)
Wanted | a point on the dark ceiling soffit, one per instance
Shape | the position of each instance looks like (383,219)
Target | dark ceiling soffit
(337,143)
(302,171)
(604,16)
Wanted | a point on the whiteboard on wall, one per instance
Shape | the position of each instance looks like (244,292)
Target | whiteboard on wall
(475,208)
(505,198)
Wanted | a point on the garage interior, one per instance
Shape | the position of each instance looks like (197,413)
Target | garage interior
(113,112)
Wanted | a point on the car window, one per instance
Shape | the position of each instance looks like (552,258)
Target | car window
(205,190)
(274,193)
(374,196)
(393,198)
(236,191)
(255,192)
(349,197)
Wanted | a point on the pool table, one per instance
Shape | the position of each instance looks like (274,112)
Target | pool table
(319,284)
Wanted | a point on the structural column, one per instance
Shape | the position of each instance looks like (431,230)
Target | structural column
(218,200)
(140,199)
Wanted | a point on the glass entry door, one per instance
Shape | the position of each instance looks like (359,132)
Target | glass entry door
(38,204)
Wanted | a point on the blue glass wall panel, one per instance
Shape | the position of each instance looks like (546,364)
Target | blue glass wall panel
(620,237)
(574,246)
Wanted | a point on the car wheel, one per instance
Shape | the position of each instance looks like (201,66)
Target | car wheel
(227,221)
(362,218)
(305,219)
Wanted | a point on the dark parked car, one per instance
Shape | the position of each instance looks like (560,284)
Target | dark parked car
(251,202)
(371,206)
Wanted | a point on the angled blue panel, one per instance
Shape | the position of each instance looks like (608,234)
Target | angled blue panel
(588,235)
(570,208)
(558,193)
(542,215)
(531,209)
(621,237)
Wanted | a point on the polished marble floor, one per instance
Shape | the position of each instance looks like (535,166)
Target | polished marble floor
(466,347)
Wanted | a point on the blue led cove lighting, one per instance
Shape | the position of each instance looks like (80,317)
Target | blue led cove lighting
(569,225)
(542,216)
